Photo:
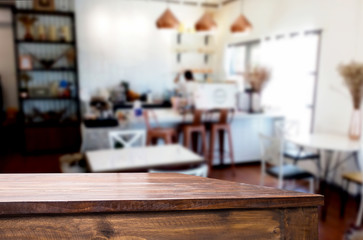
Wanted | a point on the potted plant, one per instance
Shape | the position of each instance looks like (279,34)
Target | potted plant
(353,78)
(256,78)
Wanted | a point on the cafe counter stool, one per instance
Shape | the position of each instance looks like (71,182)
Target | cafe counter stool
(192,132)
(153,134)
(220,128)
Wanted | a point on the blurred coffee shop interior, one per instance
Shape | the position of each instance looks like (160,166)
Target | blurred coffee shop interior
(249,86)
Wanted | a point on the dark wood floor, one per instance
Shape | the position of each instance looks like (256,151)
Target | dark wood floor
(333,228)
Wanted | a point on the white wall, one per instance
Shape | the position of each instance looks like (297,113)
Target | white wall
(118,40)
(7,62)
(341,22)
(342,25)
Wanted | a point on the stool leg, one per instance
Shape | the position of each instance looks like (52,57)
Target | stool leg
(231,153)
(175,138)
(148,140)
(221,146)
(168,139)
(186,138)
(204,144)
(195,145)
(211,150)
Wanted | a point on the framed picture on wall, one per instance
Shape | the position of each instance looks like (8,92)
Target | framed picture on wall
(43,5)
(25,62)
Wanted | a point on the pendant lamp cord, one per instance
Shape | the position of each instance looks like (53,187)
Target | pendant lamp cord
(242,3)
(358,32)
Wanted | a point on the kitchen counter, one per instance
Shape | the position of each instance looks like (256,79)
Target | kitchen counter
(170,116)
(128,105)
(245,130)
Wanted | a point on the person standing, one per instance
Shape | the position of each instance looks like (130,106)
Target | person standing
(186,87)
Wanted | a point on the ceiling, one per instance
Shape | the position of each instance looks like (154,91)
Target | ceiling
(205,3)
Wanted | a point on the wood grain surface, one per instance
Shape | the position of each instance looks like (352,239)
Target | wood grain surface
(129,192)
(295,223)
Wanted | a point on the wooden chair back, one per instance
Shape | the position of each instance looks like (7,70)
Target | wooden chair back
(126,138)
(285,128)
(271,153)
(271,149)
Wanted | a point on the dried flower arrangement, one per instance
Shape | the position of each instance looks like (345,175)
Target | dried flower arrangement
(353,77)
(257,78)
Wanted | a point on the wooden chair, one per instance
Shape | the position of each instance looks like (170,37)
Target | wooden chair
(189,131)
(284,128)
(168,135)
(192,132)
(347,179)
(271,153)
(220,128)
(126,138)
(357,178)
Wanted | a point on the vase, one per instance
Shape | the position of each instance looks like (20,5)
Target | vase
(256,102)
(355,127)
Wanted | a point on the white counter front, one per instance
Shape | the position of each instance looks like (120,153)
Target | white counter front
(245,128)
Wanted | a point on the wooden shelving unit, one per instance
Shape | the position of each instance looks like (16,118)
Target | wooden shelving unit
(51,122)
(49,98)
(204,51)
(49,70)
(44,42)
(47,13)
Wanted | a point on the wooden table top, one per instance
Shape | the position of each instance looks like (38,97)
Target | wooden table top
(130,192)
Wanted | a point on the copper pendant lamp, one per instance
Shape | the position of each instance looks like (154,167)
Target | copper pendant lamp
(206,23)
(167,20)
(241,25)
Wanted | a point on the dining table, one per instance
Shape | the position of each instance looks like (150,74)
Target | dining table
(331,148)
(141,158)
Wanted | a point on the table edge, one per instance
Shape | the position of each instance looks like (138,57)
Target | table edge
(124,206)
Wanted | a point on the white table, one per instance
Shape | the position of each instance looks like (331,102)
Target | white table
(129,159)
(328,144)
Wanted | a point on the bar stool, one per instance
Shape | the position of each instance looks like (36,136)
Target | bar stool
(153,134)
(219,128)
(192,131)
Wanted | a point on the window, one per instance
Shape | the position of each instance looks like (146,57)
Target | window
(293,60)
(239,58)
